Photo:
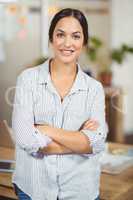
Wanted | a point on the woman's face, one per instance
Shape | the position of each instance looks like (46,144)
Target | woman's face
(68,40)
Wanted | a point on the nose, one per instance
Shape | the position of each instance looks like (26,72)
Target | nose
(67,42)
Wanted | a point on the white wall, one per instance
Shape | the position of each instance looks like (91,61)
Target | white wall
(19,53)
(122,32)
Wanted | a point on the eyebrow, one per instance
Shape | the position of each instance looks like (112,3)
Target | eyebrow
(64,31)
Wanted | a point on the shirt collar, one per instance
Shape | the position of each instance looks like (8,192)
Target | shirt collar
(80,83)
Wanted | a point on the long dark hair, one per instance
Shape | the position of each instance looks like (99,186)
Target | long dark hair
(68,12)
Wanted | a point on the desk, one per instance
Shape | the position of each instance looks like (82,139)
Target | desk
(113,187)
(6,188)
(117,187)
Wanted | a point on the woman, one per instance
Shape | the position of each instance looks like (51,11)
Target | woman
(59,120)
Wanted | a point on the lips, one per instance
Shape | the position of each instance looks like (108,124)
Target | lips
(66,52)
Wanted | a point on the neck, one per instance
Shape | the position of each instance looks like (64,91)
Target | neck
(63,69)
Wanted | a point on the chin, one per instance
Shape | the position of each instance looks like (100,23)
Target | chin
(67,60)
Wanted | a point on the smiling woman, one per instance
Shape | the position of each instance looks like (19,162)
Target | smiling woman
(67,40)
(59,120)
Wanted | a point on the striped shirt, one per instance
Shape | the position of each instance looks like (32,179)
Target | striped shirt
(72,177)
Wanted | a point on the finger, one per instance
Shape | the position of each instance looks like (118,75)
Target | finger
(91,127)
(91,120)
(90,124)
(95,123)
(87,125)
(88,121)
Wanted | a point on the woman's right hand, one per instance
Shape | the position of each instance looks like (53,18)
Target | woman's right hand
(91,125)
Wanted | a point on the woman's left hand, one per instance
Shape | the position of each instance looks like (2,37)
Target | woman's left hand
(91,125)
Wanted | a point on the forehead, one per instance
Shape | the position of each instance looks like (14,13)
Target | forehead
(70,24)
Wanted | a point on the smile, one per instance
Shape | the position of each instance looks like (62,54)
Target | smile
(67,52)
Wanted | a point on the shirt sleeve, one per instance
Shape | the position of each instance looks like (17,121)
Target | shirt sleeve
(97,138)
(27,136)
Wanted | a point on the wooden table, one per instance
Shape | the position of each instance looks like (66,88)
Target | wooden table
(113,187)
(117,187)
(6,188)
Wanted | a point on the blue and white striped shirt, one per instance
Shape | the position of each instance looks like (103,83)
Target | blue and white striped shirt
(72,177)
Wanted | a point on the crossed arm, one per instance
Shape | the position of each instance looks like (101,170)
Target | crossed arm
(67,142)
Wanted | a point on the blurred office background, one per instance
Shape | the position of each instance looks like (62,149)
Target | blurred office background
(24,42)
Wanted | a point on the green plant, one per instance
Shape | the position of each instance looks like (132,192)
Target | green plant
(118,55)
(93,47)
(105,59)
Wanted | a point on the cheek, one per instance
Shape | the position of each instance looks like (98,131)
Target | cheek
(57,42)
(78,44)
(79,47)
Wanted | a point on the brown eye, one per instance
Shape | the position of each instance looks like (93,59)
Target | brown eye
(76,37)
(60,35)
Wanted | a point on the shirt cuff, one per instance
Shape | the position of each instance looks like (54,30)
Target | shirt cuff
(41,142)
(96,142)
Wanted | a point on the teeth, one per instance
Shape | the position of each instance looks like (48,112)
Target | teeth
(67,52)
